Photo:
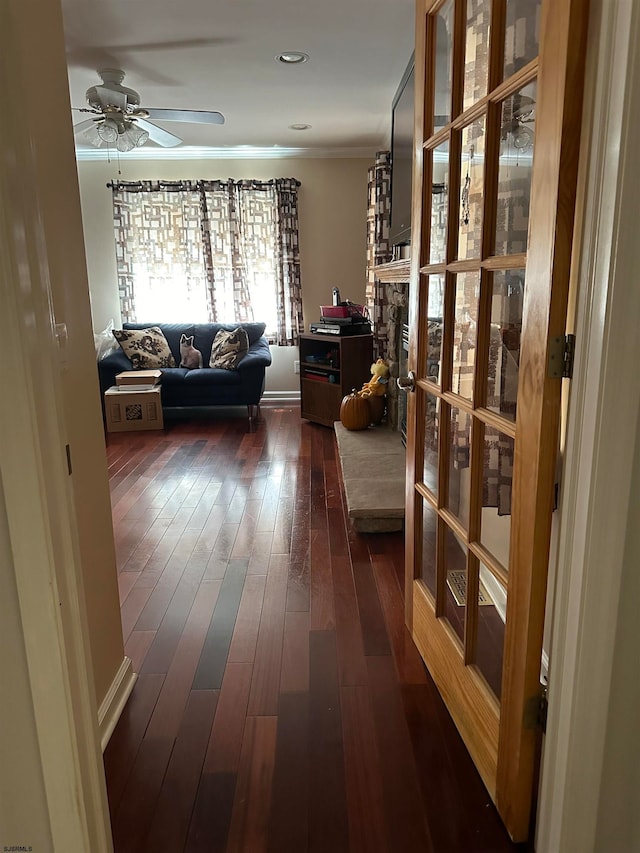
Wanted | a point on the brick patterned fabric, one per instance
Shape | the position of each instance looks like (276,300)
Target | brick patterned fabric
(233,245)
(378,249)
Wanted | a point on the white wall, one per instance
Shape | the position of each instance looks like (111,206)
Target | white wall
(618,826)
(332,210)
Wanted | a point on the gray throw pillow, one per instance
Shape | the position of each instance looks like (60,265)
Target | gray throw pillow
(228,349)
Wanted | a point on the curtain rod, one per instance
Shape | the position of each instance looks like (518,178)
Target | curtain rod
(154,186)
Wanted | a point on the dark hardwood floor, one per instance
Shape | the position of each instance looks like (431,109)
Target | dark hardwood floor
(281,704)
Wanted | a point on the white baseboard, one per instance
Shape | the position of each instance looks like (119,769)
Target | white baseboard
(113,703)
(496,592)
(281,397)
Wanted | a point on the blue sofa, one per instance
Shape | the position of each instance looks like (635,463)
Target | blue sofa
(183,388)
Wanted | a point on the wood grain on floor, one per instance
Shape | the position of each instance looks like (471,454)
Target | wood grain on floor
(281,704)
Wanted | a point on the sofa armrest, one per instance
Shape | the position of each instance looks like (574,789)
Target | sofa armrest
(111,365)
(258,355)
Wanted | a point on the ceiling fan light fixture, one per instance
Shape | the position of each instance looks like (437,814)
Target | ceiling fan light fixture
(131,137)
(125,143)
(143,136)
(136,135)
(92,136)
(292,57)
(108,130)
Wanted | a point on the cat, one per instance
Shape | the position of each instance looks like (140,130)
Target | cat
(190,357)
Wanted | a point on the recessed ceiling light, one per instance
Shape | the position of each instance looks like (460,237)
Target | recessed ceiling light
(299,126)
(292,57)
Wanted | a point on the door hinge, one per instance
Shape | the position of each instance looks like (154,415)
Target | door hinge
(68,450)
(561,353)
(535,715)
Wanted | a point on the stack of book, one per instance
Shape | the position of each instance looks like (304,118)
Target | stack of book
(138,380)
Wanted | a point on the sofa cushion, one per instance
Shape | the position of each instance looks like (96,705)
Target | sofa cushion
(173,375)
(229,348)
(172,332)
(146,348)
(212,377)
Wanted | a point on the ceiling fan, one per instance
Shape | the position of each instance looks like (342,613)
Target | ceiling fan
(120,122)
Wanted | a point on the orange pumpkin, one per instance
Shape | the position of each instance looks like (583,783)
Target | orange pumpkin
(354,411)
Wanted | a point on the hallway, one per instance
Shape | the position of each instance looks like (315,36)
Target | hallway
(280,705)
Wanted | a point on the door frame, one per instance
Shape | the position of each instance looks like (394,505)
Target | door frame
(585,618)
(39,525)
(45,563)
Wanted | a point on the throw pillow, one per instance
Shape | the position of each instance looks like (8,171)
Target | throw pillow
(145,348)
(190,357)
(228,349)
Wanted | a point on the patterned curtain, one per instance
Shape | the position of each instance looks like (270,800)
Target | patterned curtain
(378,248)
(288,288)
(158,241)
(225,257)
(239,238)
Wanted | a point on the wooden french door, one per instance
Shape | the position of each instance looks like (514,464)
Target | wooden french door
(498,108)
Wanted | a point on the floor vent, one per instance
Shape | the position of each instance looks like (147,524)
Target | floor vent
(457,583)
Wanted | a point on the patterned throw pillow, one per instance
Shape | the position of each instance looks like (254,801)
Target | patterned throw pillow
(145,348)
(228,349)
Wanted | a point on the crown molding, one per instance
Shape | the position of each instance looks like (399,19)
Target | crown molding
(240,152)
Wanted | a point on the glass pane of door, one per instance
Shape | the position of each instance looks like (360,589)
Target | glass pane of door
(472,190)
(507,293)
(459,490)
(517,134)
(431,433)
(467,298)
(439,204)
(435,326)
(521,34)
(429,550)
(492,614)
(444,64)
(476,60)
(497,483)
(455,556)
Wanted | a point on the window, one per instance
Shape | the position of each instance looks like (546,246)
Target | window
(210,251)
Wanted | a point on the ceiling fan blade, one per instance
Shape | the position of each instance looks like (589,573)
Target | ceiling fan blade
(83,125)
(158,135)
(192,116)
(110,98)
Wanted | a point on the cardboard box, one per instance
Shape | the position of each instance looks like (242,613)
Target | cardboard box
(129,411)
(138,377)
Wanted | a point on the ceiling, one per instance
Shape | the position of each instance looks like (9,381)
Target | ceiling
(219,55)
